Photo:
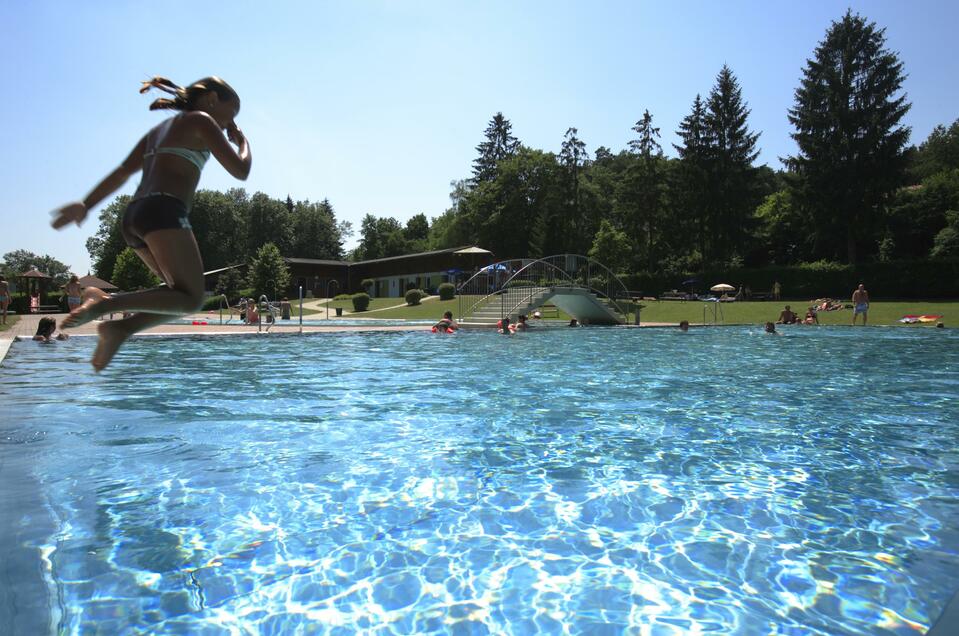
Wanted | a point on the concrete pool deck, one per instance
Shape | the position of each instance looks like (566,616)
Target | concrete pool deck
(26,327)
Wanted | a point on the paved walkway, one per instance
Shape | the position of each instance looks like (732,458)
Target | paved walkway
(26,327)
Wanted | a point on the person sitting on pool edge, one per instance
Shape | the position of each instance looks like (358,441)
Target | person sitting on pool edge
(45,331)
(787,317)
(446,322)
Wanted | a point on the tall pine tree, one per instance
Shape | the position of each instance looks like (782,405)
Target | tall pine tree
(692,177)
(500,144)
(847,117)
(731,154)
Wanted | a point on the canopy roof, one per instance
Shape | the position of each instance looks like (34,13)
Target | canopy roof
(33,273)
(472,250)
(93,281)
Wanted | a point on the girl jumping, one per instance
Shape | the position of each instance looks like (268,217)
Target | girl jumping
(156,222)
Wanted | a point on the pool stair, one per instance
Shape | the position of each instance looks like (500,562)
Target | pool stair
(580,286)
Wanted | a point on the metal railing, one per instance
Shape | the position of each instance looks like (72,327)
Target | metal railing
(224,300)
(265,304)
(507,288)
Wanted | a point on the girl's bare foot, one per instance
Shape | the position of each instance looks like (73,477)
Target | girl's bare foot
(112,334)
(86,311)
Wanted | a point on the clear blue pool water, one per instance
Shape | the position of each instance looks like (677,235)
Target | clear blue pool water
(580,481)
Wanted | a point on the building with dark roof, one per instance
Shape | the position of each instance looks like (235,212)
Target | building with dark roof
(391,276)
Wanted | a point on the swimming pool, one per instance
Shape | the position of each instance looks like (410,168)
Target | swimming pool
(591,479)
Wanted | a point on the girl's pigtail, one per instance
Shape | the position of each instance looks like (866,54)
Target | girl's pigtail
(179,100)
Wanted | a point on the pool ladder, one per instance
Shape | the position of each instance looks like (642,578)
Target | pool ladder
(225,301)
(265,303)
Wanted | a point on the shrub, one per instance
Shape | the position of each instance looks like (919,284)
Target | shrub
(447,291)
(367,284)
(212,303)
(360,301)
(414,296)
(343,297)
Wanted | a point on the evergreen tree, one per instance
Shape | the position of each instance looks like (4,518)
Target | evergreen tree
(130,273)
(567,227)
(692,176)
(500,144)
(268,272)
(647,145)
(731,154)
(847,115)
(642,190)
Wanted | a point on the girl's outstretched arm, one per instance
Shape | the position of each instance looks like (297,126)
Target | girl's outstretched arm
(77,211)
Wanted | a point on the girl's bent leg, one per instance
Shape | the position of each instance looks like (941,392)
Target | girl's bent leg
(176,256)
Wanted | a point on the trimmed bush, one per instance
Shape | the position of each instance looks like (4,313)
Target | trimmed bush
(447,291)
(360,301)
(343,297)
(414,296)
(367,284)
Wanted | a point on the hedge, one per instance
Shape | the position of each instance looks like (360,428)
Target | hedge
(360,301)
(20,302)
(447,291)
(896,279)
(414,296)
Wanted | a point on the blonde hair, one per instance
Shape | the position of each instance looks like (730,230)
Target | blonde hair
(186,98)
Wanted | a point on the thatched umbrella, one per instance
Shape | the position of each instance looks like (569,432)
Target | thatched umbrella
(33,280)
(99,283)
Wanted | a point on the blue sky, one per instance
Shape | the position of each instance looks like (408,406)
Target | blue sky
(379,105)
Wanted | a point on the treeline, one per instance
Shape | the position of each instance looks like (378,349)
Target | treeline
(231,227)
(854,192)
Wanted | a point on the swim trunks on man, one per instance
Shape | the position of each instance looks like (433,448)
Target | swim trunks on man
(861,308)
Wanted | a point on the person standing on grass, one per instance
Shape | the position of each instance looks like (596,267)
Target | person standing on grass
(860,302)
(4,299)
(156,222)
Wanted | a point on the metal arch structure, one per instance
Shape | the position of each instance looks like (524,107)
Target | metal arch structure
(582,287)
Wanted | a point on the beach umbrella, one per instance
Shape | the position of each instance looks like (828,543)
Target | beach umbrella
(722,287)
(472,250)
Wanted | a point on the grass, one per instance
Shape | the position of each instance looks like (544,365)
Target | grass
(880,312)
(11,321)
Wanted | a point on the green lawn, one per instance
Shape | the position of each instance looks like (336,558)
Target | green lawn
(11,321)
(668,311)
(880,312)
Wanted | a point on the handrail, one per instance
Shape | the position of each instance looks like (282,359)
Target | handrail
(535,277)
(269,307)
(223,299)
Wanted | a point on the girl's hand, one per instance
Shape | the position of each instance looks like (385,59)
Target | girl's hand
(70,213)
(234,134)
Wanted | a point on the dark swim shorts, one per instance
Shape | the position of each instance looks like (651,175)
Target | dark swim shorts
(153,212)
